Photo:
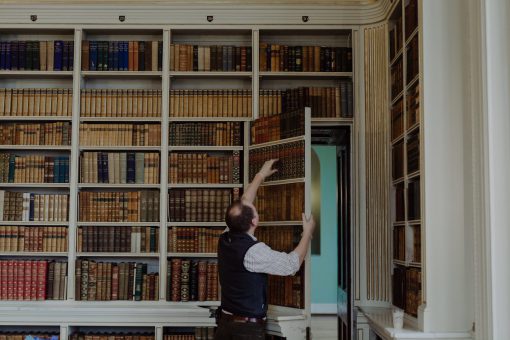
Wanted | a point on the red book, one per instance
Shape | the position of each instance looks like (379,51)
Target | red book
(27,279)
(3,280)
(20,283)
(10,279)
(42,269)
(33,280)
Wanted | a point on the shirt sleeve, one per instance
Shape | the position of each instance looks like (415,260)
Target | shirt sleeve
(260,258)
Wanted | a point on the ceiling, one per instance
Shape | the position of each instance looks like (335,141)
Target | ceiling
(196,2)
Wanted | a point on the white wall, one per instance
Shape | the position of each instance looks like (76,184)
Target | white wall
(448,236)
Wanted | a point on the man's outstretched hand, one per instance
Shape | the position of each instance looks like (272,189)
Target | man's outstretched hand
(267,169)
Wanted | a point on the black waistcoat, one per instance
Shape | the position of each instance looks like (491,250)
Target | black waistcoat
(242,292)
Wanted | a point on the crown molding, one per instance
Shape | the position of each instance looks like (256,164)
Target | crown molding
(177,14)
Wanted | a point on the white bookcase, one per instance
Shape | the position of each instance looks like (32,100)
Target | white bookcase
(69,313)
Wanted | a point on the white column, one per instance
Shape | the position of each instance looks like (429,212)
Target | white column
(497,162)
(448,264)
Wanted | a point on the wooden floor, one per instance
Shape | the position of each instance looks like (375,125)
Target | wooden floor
(324,327)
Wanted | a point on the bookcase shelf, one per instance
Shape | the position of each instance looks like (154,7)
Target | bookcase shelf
(398,55)
(332,121)
(36,74)
(34,254)
(322,75)
(209,119)
(277,142)
(121,74)
(406,158)
(397,98)
(35,185)
(210,74)
(204,148)
(123,119)
(284,181)
(89,313)
(121,148)
(121,255)
(205,185)
(36,147)
(193,224)
(415,32)
(119,186)
(282,223)
(119,224)
(34,223)
(36,118)
(197,255)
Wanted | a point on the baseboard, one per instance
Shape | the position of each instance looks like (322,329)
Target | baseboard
(324,308)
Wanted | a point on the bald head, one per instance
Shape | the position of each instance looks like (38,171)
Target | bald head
(239,216)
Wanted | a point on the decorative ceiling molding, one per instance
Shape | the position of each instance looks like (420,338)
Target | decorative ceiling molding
(183,2)
(174,12)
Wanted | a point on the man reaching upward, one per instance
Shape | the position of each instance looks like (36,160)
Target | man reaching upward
(244,264)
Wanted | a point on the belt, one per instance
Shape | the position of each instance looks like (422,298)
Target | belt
(239,318)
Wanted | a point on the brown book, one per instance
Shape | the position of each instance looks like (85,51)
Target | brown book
(85,55)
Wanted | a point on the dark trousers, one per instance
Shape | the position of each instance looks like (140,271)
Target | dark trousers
(232,330)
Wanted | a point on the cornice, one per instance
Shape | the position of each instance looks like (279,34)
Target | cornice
(178,14)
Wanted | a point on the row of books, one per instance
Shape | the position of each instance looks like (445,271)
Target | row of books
(33,280)
(290,163)
(211,103)
(120,134)
(413,105)
(397,119)
(94,335)
(286,125)
(133,206)
(119,167)
(33,169)
(280,202)
(28,336)
(397,160)
(107,281)
(413,199)
(33,239)
(120,103)
(25,206)
(118,239)
(192,280)
(399,243)
(36,102)
(413,153)
(57,133)
(200,167)
(193,239)
(121,55)
(325,102)
(400,211)
(397,78)
(199,333)
(199,205)
(407,291)
(413,60)
(396,37)
(411,19)
(286,290)
(279,238)
(31,55)
(284,58)
(223,58)
(205,134)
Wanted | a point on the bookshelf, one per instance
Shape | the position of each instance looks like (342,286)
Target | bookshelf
(87,117)
(406,154)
